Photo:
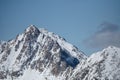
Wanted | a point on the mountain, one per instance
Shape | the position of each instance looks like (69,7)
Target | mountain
(37,54)
(103,65)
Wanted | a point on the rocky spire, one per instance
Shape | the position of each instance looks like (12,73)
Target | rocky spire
(31,32)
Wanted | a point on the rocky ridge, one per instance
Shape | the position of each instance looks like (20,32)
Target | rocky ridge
(37,54)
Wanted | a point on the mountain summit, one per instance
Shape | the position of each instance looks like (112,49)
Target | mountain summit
(37,54)
(103,65)
(40,51)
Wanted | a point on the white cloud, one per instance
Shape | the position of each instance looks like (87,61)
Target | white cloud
(109,34)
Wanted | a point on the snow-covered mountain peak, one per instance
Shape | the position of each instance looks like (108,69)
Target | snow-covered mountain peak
(38,54)
(110,47)
(109,51)
(103,65)
(105,54)
(39,50)
(31,28)
(42,33)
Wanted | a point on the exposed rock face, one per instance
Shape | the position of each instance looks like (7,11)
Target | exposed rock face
(38,50)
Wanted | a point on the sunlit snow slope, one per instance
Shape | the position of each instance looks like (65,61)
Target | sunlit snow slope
(103,65)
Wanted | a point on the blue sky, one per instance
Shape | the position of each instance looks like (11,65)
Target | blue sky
(80,22)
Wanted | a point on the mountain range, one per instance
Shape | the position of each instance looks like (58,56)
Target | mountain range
(37,54)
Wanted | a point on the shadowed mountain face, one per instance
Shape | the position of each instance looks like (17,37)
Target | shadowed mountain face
(37,54)
(39,50)
(71,61)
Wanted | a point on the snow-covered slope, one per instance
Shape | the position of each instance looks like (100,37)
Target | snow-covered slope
(103,65)
(37,54)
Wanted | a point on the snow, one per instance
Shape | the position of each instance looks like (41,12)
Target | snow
(64,45)
(105,63)
(31,26)
(20,37)
(109,59)
(31,75)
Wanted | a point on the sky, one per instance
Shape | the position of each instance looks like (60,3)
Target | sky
(91,25)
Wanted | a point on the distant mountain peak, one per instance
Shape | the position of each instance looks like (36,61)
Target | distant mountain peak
(103,65)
